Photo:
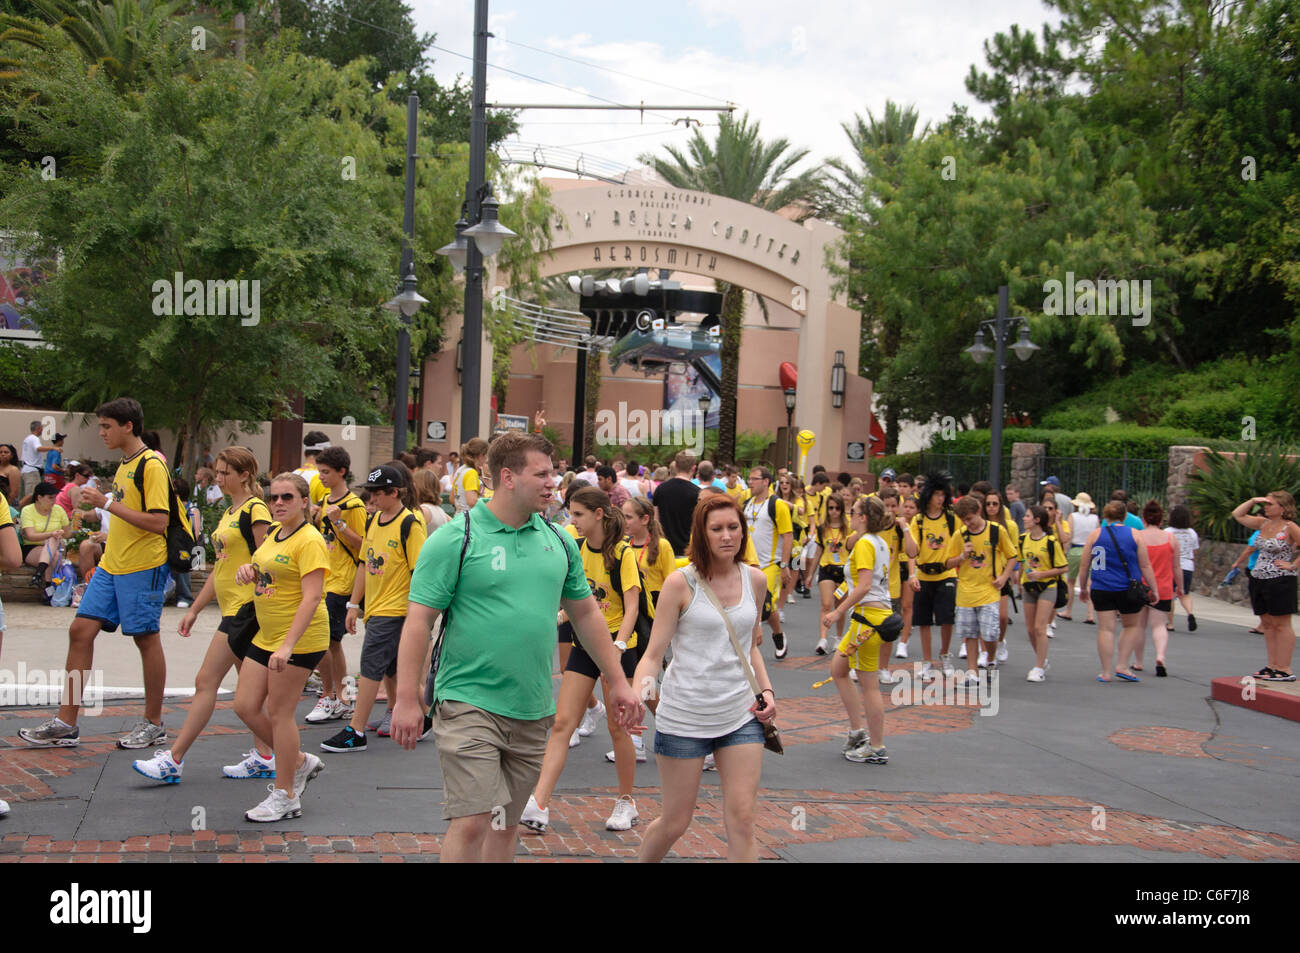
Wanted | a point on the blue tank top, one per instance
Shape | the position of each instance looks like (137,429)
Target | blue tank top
(1108,570)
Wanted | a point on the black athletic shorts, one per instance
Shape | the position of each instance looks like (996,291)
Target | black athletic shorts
(935,603)
(1107,600)
(240,629)
(584,664)
(1163,605)
(833,574)
(336,607)
(307,660)
(564,631)
(1275,596)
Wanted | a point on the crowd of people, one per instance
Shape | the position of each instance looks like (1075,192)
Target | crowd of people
(654,583)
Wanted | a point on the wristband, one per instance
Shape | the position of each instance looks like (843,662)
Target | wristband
(769,690)
(352,605)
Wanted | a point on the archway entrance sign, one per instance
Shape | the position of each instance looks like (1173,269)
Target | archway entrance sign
(649,225)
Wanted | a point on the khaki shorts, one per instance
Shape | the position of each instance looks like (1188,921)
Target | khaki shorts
(490,764)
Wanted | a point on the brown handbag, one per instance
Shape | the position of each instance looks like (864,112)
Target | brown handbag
(771,735)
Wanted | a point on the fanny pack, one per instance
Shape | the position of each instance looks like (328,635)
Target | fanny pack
(889,629)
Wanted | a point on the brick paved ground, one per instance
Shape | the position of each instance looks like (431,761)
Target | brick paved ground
(1149,771)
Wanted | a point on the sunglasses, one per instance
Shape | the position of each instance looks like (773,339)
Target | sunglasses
(284,497)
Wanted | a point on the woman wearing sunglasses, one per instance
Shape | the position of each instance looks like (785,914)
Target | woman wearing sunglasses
(831,555)
(236,473)
(1058,527)
(288,573)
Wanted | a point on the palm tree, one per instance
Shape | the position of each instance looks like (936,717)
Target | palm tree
(112,36)
(738,165)
(877,146)
(849,198)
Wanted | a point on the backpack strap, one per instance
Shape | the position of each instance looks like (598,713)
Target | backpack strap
(771,508)
(405,532)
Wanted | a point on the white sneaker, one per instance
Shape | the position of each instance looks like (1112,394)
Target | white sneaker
(327,709)
(624,816)
(160,767)
(4,807)
(1004,653)
(885,677)
(973,678)
(1051,629)
(534,818)
(821,647)
(1047,665)
(927,670)
(574,739)
(984,659)
(946,659)
(708,762)
(276,807)
(182,604)
(901,651)
(853,675)
(789,600)
(310,767)
(1036,674)
(962,653)
(591,719)
(253,766)
(637,744)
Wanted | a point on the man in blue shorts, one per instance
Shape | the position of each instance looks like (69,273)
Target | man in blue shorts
(127,588)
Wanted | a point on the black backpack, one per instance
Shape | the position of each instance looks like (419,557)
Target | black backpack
(179,534)
(407,522)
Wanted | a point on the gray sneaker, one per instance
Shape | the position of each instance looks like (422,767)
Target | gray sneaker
(51,734)
(854,739)
(865,754)
(310,767)
(143,735)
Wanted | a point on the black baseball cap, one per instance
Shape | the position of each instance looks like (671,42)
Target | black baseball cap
(384,478)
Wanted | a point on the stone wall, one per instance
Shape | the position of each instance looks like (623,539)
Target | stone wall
(1183,462)
(1025,464)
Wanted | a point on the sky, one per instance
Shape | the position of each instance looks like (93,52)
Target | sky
(801,68)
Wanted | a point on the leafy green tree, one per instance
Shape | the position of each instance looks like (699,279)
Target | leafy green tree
(234,173)
(738,164)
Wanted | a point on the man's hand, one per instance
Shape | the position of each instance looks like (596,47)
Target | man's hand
(93,496)
(625,701)
(408,723)
(350,622)
(332,514)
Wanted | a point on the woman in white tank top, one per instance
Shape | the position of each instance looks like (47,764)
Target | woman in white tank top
(705,702)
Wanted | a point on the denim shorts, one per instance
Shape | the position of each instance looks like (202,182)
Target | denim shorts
(676,746)
(132,600)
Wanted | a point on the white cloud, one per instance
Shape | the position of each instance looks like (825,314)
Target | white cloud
(800,69)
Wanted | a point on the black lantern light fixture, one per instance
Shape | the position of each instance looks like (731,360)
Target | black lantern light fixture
(838,374)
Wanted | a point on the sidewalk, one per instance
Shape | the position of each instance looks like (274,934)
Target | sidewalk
(1065,770)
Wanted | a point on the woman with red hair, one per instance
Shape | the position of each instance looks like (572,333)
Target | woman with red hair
(706,705)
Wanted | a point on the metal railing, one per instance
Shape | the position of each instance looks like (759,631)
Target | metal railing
(1097,476)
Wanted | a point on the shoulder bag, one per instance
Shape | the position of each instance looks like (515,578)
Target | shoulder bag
(771,735)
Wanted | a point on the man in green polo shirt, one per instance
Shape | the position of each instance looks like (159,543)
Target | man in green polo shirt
(493,704)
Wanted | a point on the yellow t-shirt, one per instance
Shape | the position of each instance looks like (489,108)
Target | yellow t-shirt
(277,593)
(31,519)
(975,575)
(611,603)
(654,570)
(6,518)
(739,492)
(765,531)
(814,508)
(833,543)
(893,540)
(464,481)
(932,538)
(232,552)
(316,490)
(1035,558)
(129,548)
(388,566)
(343,558)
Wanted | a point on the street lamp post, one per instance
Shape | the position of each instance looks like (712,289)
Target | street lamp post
(705,402)
(790,396)
(1001,326)
(478,233)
